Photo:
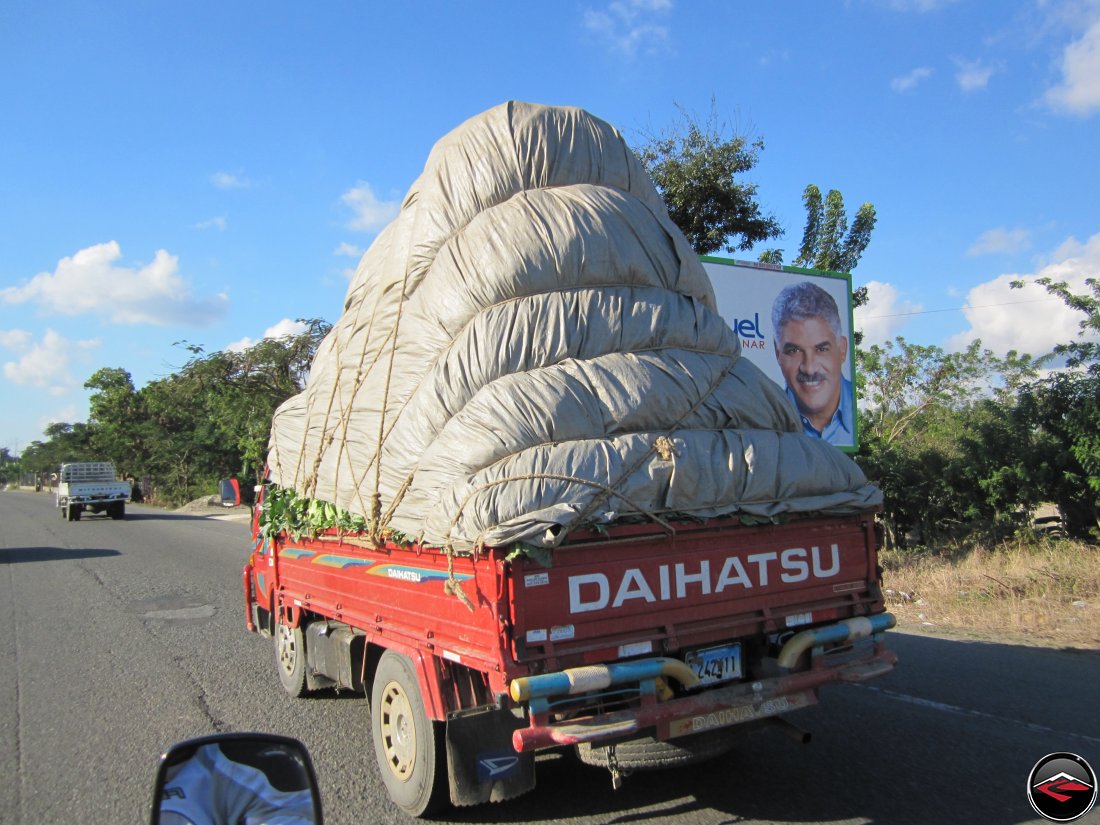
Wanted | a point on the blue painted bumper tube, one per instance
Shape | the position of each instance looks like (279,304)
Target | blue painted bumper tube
(598,677)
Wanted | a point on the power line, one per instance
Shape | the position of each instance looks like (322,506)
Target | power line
(959,309)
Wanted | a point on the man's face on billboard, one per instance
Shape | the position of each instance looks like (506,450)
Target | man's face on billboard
(811,357)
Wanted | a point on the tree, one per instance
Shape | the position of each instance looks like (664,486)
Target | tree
(213,416)
(695,168)
(9,466)
(941,439)
(64,442)
(241,390)
(1066,405)
(1063,410)
(120,427)
(208,420)
(824,243)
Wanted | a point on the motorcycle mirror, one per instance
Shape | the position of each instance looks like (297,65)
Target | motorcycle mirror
(236,777)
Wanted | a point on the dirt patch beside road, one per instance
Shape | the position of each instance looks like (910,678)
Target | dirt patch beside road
(212,506)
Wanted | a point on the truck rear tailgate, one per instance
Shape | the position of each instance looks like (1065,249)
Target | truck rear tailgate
(644,591)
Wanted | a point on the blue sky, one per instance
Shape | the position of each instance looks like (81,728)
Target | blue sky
(211,171)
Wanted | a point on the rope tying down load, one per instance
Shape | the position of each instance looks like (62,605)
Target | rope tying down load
(531,347)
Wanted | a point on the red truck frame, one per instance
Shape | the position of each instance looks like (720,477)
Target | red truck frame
(642,646)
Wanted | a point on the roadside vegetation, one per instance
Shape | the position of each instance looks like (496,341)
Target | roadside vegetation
(1030,589)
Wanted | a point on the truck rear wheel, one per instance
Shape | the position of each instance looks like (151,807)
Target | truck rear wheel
(407,744)
(72,512)
(117,510)
(290,657)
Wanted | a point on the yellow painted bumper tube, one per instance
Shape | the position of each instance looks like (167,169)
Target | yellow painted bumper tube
(848,630)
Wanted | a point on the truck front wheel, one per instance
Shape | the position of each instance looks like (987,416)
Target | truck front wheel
(290,657)
(408,745)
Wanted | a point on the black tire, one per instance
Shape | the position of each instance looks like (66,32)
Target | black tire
(646,753)
(407,744)
(117,511)
(290,658)
(72,512)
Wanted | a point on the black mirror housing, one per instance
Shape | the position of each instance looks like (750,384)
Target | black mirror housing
(225,776)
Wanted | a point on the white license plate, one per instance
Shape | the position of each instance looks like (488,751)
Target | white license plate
(715,664)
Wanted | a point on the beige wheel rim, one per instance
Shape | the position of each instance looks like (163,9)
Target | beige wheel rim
(398,731)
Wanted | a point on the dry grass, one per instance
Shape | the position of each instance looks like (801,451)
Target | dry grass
(1037,591)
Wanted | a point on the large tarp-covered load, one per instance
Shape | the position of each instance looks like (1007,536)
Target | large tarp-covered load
(533,346)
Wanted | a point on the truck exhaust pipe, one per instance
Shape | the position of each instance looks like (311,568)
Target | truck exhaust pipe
(789,729)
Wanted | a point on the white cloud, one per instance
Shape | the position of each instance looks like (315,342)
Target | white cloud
(1069,248)
(15,339)
(240,345)
(631,26)
(1000,241)
(228,180)
(371,214)
(218,223)
(92,282)
(348,250)
(974,75)
(45,364)
(884,314)
(1078,93)
(1030,319)
(910,81)
(282,329)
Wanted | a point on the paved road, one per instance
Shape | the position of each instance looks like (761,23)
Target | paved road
(122,637)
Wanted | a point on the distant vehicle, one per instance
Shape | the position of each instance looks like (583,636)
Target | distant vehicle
(91,485)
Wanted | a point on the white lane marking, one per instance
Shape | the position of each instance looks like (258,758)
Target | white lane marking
(978,714)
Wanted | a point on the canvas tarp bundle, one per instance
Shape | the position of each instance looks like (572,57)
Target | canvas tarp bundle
(531,346)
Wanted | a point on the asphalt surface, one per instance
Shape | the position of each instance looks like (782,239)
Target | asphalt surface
(125,636)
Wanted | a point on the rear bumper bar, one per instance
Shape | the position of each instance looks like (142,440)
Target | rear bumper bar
(714,708)
(95,498)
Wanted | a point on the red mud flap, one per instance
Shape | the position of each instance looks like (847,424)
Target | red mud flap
(246,576)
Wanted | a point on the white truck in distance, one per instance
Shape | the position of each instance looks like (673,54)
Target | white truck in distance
(91,485)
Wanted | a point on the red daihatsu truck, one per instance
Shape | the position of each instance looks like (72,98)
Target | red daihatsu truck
(644,646)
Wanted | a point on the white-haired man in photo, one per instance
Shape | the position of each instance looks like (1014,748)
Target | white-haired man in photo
(811,350)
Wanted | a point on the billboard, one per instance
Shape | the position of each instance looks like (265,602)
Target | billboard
(795,325)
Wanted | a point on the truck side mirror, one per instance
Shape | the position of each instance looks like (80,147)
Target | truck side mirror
(229,491)
(237,777)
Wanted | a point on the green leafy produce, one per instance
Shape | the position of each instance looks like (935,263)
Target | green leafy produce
(284,511)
